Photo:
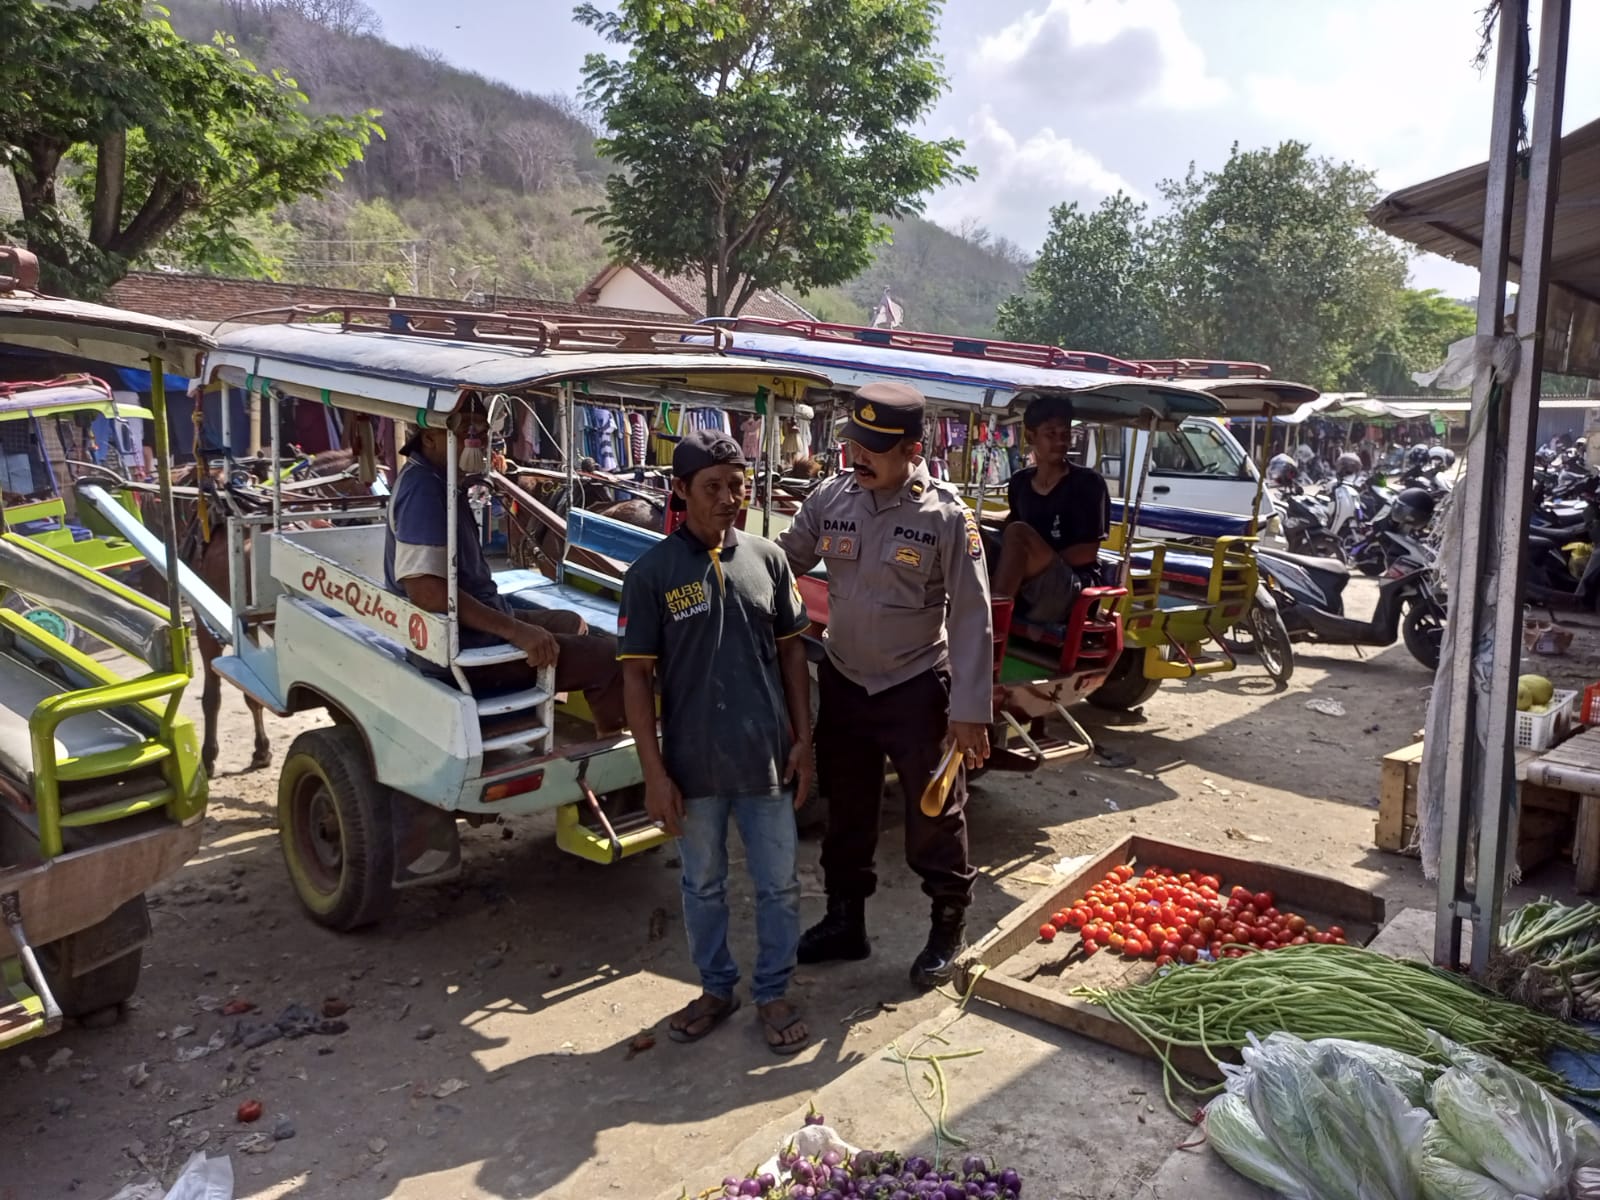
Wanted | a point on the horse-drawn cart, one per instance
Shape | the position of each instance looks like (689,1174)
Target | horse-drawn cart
(370,803)
(101,790)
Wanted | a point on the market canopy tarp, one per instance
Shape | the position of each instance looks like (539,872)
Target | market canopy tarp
(1445,216)
(1358,406)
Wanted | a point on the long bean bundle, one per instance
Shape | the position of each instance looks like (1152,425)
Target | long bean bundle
(1346,992)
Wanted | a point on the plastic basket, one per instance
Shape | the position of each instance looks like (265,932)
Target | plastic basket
(1536,731)
(1589,710)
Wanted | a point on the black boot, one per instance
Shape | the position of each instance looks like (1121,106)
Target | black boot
(839,936)
(936,964)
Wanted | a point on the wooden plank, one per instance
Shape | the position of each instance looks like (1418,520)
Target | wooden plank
(84,887)
(1586,845)
(1299,888)
(1018,928)
(1395,786)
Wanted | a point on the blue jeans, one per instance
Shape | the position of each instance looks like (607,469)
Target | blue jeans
(767,828)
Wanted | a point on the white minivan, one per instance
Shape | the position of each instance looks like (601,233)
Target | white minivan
(1197,467)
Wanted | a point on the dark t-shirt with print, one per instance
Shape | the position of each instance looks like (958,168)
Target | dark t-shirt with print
(712,623)
(1075,511)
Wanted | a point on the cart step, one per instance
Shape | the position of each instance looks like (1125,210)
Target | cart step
(634,834)
(517,737)
(27,1009)
(79,769)
(488,656)
(509,702)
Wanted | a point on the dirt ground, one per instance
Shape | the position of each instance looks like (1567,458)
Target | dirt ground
(487,1050)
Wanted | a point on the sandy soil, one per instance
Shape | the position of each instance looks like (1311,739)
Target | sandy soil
(490,1019)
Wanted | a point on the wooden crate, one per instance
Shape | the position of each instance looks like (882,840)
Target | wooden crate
(1544,822)
(1013,968)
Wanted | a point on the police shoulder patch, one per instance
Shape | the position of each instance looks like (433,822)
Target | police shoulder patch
(974,537)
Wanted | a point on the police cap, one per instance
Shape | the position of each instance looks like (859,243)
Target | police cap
(884,414)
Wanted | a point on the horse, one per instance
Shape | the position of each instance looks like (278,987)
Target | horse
(206,554)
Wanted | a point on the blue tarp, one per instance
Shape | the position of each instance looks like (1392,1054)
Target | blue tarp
(139,381)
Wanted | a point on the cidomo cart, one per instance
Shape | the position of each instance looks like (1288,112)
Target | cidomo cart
(370,803)
(101,790)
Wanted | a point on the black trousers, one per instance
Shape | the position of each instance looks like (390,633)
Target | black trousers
(855,733)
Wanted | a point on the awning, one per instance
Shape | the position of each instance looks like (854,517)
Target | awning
(1445,216)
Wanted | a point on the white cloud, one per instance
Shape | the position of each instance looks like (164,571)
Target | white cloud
(1019,180)
(1101,53)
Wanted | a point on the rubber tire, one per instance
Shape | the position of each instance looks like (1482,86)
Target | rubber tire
(364,890)
(107,986)
(1269,630)
(1418,641)
(77,637)
(1126,687)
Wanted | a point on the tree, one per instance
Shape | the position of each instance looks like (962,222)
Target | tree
(763,141)
(157,140)
(1271,259)
(1424,325)
(541,156)
(1094,285)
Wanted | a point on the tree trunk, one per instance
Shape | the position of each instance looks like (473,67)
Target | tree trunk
(110,171)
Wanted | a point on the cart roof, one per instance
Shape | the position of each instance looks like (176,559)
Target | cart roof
(982,383)
(50,399)
(95,331)
(406,375)
(1253,397)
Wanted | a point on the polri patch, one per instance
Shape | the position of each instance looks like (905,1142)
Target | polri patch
(974,538)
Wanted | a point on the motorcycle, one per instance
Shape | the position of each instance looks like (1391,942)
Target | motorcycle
(1308,595)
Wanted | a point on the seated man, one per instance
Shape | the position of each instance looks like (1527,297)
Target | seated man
(1060,513)
(416,565)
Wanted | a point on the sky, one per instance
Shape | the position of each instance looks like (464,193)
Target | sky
(1071,100)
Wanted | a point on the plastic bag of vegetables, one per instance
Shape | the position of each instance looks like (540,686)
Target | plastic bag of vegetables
(1339,1126)
(1410,1075)
(1234,1134)
(1516,1131)
(1447,1172)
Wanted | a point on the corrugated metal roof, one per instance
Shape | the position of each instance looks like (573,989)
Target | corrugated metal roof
(1445,216)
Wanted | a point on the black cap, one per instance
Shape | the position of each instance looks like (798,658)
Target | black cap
(1049,407)
(700,449)
(883,414)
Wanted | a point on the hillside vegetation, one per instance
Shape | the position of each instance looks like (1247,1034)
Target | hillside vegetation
(477,186)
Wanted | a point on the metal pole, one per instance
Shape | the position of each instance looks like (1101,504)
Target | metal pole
(169,535)
(1485,614)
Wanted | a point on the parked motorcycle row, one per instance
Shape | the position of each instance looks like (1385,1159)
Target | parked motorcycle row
(1378,525)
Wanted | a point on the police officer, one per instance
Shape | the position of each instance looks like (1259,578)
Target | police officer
(909,667)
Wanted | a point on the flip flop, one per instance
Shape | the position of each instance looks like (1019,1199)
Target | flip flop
(785,1049)
(716,1017)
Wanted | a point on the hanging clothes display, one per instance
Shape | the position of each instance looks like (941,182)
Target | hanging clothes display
(750,430)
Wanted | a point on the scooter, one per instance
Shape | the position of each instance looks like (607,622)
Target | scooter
(1309,596)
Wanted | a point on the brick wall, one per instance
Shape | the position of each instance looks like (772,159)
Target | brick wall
(210,298)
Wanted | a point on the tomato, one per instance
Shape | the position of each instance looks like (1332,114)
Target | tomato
(1171,948)
(1207,925)
(1120,910)
(1188,954)
(1134,948)
(1116,941)
(1241,894)
(1164,961)
(1186,878)
(1269,945)
(1123,873)
(1297,924)
(1232,952)
(1047,931)
(1078,917)
(249,1111)
(1297,940)
(1090,948)
(1262,900)
(1260,936)
(1102,913)
(1336,933)
(1216,949)
(1210,881)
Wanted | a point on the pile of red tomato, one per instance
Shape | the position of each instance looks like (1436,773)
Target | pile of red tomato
(1181,918)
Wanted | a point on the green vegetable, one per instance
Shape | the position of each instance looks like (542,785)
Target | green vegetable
(1234,1134)
(1325,991)
(1446,1171)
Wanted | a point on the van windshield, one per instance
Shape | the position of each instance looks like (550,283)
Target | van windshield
(1197,448)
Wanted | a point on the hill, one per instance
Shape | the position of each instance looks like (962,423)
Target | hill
(474,188)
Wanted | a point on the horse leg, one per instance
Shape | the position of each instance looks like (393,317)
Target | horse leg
(210,694)
(263,755)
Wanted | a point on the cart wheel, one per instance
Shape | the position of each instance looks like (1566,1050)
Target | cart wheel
(335,826)
(109,983)
(49,620)
(1263,634)
(1126,687)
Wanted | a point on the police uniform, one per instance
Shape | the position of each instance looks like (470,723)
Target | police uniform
(909,649)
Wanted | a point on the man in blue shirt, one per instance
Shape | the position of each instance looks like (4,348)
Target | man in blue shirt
(715,616)
(416,565)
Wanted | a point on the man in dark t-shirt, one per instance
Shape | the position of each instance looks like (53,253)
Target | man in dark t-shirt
(1060,513)
(715,615)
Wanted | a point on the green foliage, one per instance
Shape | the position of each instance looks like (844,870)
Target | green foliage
(156,137)
(1271,259)
(1268,260)
(1423,325)
(1096,284)
(763,143)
